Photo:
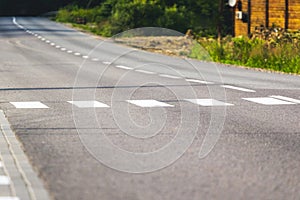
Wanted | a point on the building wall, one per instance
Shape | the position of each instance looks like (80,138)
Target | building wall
(276,15)
(240,27)
(294,14)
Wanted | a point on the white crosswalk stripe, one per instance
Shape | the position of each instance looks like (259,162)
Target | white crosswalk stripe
(89,104)
(149,103)
(268,101)
(208,102)
(4,180)
(9,198)
(30,104)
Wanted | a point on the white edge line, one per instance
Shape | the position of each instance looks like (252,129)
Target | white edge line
(123,67)
(198,81)
(106,63)
(237,88)
(285,98)
(169,76)
(144,71)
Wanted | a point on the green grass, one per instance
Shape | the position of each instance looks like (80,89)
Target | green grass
(255,53)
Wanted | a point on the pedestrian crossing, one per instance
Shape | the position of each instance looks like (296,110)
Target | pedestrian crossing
(88,104)
(208,102)
(272,100)
(4,180)
(149,103)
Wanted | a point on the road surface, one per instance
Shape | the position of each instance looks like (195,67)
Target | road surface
(98,120)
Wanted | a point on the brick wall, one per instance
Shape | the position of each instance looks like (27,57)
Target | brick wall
(275,16)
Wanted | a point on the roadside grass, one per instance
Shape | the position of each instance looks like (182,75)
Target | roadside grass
(255,53)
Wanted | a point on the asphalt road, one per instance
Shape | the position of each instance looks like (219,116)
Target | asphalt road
(241,141)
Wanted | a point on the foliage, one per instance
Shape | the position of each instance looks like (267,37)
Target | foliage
(114,16)
(279,51)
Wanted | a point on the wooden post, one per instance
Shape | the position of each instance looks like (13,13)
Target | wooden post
(267,14)
(220,20)
(249,17)
(286,24)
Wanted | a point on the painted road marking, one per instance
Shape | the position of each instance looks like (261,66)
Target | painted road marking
(47,41)
(77,54)
(9,198)
(52,44)
(63,49)
(169,76)
(208,102)
(149,103)
(30,104)
(268,101)
(95,59)
(57,46)
(88,104)
(198,81)
(123,67)
(1,165)
(4,180)
(70,51)
(85,57)
(237,88)
(286,99)
(106,63)
(144,71)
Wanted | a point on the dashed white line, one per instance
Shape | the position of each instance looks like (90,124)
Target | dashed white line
(9,198)
(237,88)
(106,63)
(149,103)
(198,81)
(57,46)
(286,99)
(4,180)
(88,104)
(63,49)
(85,57)
(47,41)
(43,39)
(52,44)
(77,54)
(268,101)
(40,37)
(208,102)
(169,76)
(1,165)
(123,67)
(30,104)
(69,51)
(144,71)
(95,59)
